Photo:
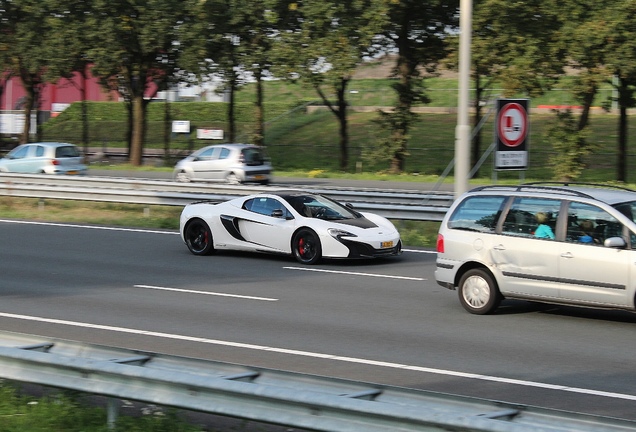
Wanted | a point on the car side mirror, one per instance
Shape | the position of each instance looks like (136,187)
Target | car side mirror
(278,213)
(615,242)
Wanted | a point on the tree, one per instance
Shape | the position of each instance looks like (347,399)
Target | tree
(417,31)
(515,45)
(583,38)
(135,49)
(620,58)
(210,48)
(27,32)
(6,22)
(256,25)
(333,38)
(69,48)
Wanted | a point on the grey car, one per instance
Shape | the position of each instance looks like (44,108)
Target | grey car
(44,158)
(230,163)
(570,244)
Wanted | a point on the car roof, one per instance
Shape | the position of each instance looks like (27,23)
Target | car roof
(232,145)
(52,144)
(608,194)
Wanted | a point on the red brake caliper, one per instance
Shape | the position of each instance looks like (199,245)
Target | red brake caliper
(301,246)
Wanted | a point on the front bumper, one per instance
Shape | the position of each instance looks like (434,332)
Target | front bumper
(363,250)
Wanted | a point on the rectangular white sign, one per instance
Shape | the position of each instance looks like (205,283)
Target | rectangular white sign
(181,126)
(511,159)
(214,134)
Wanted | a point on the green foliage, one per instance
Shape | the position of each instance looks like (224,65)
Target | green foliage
(570,145)
(70,412)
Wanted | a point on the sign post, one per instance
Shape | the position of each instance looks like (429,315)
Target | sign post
(511,134)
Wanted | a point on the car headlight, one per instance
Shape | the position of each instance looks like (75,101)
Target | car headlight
(337,233)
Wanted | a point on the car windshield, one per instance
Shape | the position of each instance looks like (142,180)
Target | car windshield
(320,207)
(628,209)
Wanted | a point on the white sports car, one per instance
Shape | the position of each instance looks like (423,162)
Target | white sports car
(306,225)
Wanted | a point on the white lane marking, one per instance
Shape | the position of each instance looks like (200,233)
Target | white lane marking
(205,293)
(456,374)
(104,228)
(355,273)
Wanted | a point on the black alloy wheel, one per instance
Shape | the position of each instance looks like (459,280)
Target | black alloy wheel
(198,237)
(306,247)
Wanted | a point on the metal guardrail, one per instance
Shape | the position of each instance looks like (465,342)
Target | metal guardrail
(404,205)
(269,396)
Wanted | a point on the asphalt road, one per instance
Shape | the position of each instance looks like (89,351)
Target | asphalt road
(384,321)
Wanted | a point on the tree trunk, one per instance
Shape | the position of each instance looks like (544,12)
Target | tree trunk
(28,106)
(476,153)
(622,145)
(230,113)
(341,114)
(84,112)
(167,119)
(624,98)
(137,135)
(259,132)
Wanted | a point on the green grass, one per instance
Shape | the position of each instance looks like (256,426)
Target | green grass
(67,411)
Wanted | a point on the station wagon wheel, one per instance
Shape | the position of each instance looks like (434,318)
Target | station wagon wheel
(306,247)
(198,237)
(232,179)
(478,292)
(182,177)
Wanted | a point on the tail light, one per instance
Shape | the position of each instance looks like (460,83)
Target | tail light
(55,162)
(440,243)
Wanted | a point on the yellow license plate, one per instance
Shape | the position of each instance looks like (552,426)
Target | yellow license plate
(387,244)
(72,172)
(259,177)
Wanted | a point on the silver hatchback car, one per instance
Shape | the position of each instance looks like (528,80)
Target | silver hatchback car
(231,163)
(571,244)
(44,158)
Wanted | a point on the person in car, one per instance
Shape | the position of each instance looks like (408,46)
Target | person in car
(543,230)
(587,232)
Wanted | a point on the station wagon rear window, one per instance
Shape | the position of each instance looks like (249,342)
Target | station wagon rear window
(477,213)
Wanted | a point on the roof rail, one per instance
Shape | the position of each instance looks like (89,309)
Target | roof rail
(554,187)
(597,185)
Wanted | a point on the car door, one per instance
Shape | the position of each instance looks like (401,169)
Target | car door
(591,273)
(528,265)
(20,159)
(219,165)
(266,228)
(202,163)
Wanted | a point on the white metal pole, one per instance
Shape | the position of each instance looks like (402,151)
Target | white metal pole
(462,131)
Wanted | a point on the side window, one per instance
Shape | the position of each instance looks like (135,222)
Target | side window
(39,151)
(207,154)
(224,153)
(264,206)
(590,224)
(532,217)
(247,205)
(20,153)
(477,213)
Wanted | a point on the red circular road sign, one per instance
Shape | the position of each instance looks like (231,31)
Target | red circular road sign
(512,124)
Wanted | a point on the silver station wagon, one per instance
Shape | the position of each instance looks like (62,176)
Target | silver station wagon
(568,243)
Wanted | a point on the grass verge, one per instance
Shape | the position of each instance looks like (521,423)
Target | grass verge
(67,411)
